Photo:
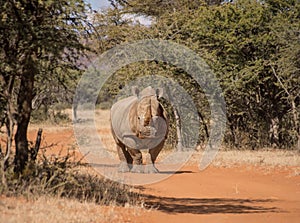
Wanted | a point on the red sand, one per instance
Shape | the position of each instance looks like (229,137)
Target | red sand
(237,194)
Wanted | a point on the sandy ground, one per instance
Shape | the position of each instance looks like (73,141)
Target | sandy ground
(232,189)
(239,194)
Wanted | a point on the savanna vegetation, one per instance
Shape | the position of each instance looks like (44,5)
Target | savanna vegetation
(42,55)
(252,46)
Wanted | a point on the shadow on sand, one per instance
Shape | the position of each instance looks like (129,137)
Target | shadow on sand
(210,205)
(100,165)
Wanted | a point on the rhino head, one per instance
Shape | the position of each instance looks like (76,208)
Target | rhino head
(146,115)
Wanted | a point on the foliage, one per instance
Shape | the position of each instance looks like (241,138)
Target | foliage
(40,48)
(240,39)
(253,48)
(53,115)
(157,8)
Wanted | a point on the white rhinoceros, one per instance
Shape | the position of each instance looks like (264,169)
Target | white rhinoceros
(139,123)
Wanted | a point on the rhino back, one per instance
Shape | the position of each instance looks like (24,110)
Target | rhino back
(120,117)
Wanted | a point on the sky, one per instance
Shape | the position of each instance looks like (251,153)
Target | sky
(96,4)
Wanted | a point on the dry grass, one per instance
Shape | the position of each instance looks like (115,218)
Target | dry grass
(57,189)
(266,160)
(264,157)
(61,177)
(53,209)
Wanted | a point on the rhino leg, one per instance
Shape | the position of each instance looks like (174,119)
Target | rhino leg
(124,167)
(124,157)
(137,168)
(150,168)
(151,157)
(137,158)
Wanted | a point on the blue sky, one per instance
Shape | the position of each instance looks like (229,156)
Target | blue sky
(96,4)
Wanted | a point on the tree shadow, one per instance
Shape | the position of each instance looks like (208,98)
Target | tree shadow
(209,205)
(175,172)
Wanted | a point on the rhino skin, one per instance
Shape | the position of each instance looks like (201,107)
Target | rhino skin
(139,123)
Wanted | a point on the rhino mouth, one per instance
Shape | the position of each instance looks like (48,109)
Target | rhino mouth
(147,132)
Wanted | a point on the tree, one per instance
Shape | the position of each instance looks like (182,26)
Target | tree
(157,8)
(286,64)
(243,41)
(253,48)
(40,45)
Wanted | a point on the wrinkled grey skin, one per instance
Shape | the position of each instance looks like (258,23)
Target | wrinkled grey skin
(139,123)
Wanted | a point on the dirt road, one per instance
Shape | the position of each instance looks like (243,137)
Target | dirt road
(240,194)
(237,193)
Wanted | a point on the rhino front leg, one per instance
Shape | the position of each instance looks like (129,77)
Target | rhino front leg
(149,167)
(124,157)
(151,157)
(137,161)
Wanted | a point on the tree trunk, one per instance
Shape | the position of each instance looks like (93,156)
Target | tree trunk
(24,101)
(178,130)
(9,119)
(179,146)
(204,124)
(35,150)
(9,129)
(296,122)
(295,113)
(274,132)
(75,106)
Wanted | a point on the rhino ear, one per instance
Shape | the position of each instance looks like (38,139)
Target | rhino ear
(159,92)
(135,91)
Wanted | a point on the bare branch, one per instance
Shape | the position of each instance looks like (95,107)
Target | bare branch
(280,82)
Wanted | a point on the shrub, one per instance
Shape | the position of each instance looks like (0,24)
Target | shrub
(62,177)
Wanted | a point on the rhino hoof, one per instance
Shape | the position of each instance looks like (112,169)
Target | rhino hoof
(137,169)
(123,167)
(151,169)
